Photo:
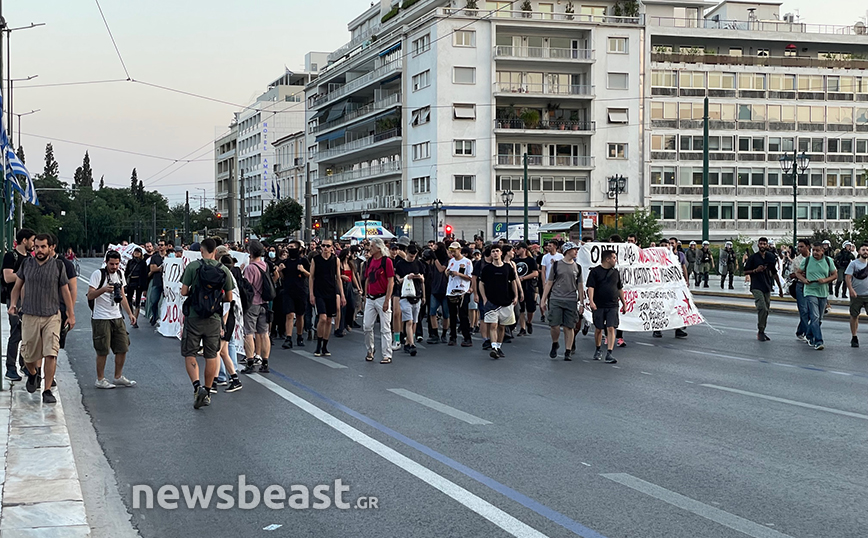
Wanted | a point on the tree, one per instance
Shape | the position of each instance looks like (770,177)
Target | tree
(283,217)
(134,183)
(51,167)
(84,174)
(641,223)
(102,182)
(20,154)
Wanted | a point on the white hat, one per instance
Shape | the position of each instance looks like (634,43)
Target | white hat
(846,243)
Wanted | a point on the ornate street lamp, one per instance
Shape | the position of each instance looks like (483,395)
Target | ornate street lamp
(795,165)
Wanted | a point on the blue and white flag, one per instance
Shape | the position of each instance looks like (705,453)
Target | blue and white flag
(13,167)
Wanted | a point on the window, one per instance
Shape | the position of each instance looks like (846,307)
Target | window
(663,142)
(420,116)
(617,151)
(692,143)
(722,112)
(421,44)
(509,183)
(810,83)
(464,183)
(664,110)
(862,147)
(782,82)
(422,80)
(421,184)
(690,111)
(465,147)
(663,210)
(773,177)
(618,45)
(464,75)
(464,38)
(421,151)
(721,81)
(733,51)
(663,79)
(691,79)
(618,81)
(751,81)
(662,175)
(464,111)
(618,115)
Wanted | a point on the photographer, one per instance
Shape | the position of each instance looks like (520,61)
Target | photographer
(105,297)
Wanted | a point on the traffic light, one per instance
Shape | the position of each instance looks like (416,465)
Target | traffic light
(219,215)
(316,225)
(447,229)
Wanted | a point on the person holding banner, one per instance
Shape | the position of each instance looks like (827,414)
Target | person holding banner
(561,296)
(605,291)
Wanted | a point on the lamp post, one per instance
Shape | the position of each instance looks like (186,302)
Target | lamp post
(507,196)
(436,205)
(795,165)
(365,217)
(617,185)
(325,221)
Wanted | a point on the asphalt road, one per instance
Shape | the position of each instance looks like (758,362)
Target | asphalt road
(714,436)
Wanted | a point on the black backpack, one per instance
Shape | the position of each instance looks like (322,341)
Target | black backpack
(207,298)
(245,288)
(102,280)
(6,290)
(268,293)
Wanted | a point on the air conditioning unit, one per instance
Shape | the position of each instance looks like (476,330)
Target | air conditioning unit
(376,201)
(790,18)
(859,28)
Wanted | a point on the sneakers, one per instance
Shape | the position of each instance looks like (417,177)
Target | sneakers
(13,375)
(419,338)
(522,333)
(554,352)
(287,343)
(452,341)
(32,381)
(680,333)
(433,340)
(621,342)
(819,347)
(48,398)
(212,390)
(467,342)
(585,328)
(100,384)
(803,338)
(657,334)
(264,368)
(443,339)
(854,342)
(250,368)
(122,381)
(493,354)
(762,337)
(412,351)
(234,385)
(529,328)
(299,342)
(567,354)
(318,352)
(598,355)
(201,398)
(486,345)
(609,358)
(325,352)
(221,383)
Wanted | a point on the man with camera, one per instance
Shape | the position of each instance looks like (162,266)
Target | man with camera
(105,296)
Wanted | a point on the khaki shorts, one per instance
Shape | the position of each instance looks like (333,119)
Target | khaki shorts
(40,337)
(110,334)
(502,315)
(857,304)
(201,331)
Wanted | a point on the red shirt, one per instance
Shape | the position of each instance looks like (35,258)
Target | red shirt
(378,274)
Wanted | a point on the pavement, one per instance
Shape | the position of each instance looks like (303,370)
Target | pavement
(717,435)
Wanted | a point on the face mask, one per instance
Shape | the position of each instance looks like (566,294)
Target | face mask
(171,255)
(271,254)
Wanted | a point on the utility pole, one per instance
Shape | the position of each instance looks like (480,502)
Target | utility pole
(705,171)
(308,198)
(241,210)
(186,218)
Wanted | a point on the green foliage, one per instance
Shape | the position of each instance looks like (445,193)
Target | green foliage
(631,8)
(276,216)
(408,3)
(471,4)
(616,10)
(391,14)
(526,6)
(530,117)
(642,223)
(860,230)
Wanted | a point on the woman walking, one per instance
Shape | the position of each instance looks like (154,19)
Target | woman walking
(351,285)
(136,275)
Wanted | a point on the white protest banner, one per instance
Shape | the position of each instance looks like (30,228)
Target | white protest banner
(126,252)
(655,291)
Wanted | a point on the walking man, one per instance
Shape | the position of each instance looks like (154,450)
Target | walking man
(460,272)
(728,264)
(379,281)
(11,263)
(816,273)
(40,283)
(527,275)
(857,282)
(804,251)
(409,268)
(761,267)
(705,261)
(106,298)
(498,289)
(155,291)
(295,270)
(842,261)
(257,343)
(326,294)
(605,291)
(561,297)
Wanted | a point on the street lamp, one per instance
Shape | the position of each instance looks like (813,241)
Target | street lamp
(617,185)
(795,165)
(365,217)
(19,121)
(436,205)
(507,196)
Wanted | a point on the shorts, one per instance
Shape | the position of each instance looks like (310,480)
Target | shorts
(327,305)
(40,337)
(529,303)
(857,304)
(294,303)
(201,331)
(562,313)
(502,315)
(110,334)
(606,317)
(438,302)
(410,311)
(256,319)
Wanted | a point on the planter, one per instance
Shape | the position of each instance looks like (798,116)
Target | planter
(575,127)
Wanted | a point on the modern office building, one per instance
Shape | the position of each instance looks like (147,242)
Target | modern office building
(226,181)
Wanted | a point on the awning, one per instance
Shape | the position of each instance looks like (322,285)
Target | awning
(331,136)
(337,111)
(557,226)
(319,114)
(393,48)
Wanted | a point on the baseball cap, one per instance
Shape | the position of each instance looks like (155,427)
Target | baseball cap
(568,245)
(455,245)
(195,247)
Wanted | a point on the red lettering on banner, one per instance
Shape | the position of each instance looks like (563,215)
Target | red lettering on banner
(630,300)
(655,255)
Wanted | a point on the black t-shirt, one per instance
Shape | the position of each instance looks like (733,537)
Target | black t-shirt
(325,276)
(606,283)
(404,268)
(157,278)
(438,279)
(70,274)
(294,281)
(762,281)
(12,260)
(498,284)
(526,266)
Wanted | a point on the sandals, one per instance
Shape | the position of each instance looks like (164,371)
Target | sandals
(369,357)
(386,360)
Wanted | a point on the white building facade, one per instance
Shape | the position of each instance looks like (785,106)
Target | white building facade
(226,181)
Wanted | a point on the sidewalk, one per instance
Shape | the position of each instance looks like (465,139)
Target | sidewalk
(40,489)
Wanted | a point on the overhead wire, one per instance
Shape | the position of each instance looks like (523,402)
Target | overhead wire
(117,50)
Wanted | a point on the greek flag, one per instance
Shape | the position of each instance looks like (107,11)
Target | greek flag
(13,167)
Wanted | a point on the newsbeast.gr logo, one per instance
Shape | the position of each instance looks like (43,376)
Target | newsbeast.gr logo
(246,496)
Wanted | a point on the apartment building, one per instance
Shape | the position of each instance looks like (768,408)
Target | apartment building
(226,181)
(289,166)
(775,85)
(439,100)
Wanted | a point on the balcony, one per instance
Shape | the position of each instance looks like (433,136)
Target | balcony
(355,42)
(377,106)
(769,61)
(368,142)
(546,161)
(507,52)
(371,172)
(538,16)
(358,83)
(377,202)
(755,26)
(545,126)
(531,90)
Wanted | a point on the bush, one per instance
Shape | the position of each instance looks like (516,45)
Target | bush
(390,15)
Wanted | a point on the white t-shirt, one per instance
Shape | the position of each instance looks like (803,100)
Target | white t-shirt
(104,306)
(458,285)
(549,259)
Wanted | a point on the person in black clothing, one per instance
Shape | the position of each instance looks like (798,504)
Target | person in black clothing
(11,262)
(527,275)
(498,290)
(72,276)
(762,269)
(136,276)
(409,267)
(155,272)
(439,281)
(295,270)
(478,266)
(842,261)
(605,291)
(326,293)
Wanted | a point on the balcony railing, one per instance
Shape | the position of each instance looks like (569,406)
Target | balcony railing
(757,26)
(357,83)
(580,18)
(356,144)
(543,89)
(358,40)
(382,104)
(546,125)
(547,161)
(509,51)
(392,167)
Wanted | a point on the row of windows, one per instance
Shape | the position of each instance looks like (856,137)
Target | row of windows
(842,115)
(543,183)
(758,177)
(664,78)
(389,188)
(758,144)
(460,75)
(460,38)
(759,211)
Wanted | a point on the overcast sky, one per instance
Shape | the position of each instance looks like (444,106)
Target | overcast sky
(223,49)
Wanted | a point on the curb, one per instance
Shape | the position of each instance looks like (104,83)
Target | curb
(775,298)
(736,307)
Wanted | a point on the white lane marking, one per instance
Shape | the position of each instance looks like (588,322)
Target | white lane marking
(437,406)
(646,344)
(711,513)
(691,382)
(646,373)
(485,509)
(742,329)
(616,367)
(85,280)
(720,355)
(585,464)
(309,355)
(790,402)
(839,373)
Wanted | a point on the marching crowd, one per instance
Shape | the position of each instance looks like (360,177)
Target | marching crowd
(305,294)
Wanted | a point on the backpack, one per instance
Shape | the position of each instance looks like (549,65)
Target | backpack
(268,293)
(245,288)
(6,290)
(207,298)
(102,280)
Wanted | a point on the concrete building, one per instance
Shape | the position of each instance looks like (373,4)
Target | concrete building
(226,181)
(289,166)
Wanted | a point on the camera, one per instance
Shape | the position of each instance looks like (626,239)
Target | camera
(117,295)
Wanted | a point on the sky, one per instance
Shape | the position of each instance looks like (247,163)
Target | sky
(227,50)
